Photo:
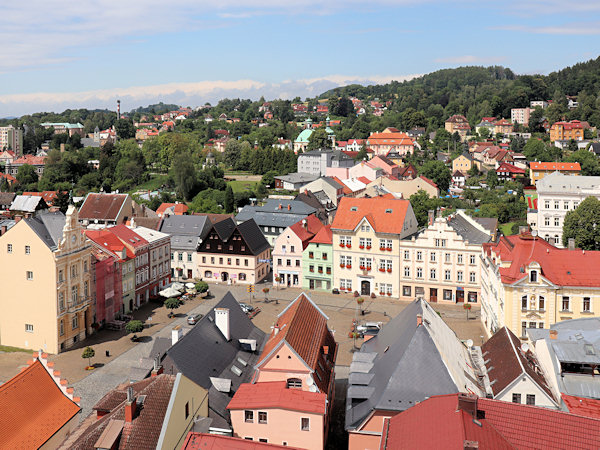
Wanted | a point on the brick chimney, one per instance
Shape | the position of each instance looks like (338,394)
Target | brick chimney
(419,320)
(471,445)
(289,207)
(130,405)
(553,334)
(430,217)
(468,404)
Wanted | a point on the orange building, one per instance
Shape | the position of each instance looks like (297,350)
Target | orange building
(538,170)
(565,131)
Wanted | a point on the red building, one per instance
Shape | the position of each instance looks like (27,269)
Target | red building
(139,246)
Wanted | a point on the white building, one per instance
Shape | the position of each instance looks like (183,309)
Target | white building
(557,195)
(520,115)
(11,138)
(317,162)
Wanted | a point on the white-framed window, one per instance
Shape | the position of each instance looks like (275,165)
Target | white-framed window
(459,258)
(29,275)
(547,204)
(248,416)
(447,257)
(541,303)
(432,256)
(406,254)
(556,221)
(566,204)
(566,303)
(447,275)
(547,221)
(305,424)
(459,276)
(62,327)
(407,271)
(262,417)
(29,327)
(533,276)
(587,304)
(419,272)
(471,277)
(472,259)
(28,250)
(556,204)
(75,323)
(432,274)
(419,256)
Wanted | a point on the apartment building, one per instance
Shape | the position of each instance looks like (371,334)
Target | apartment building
(520,115)
(159,255)
(11,138)
(46,301)
(561,131)
(538,170)
(140,249)
(317,261)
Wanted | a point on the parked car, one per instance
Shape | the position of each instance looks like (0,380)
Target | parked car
(246,308)
(193,319)
(369,328)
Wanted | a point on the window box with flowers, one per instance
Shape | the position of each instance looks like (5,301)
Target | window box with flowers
(368,268)
(381,269)
(382,249)
(320,270)
(348,266)
(381,293)
(368,247)
(342,244)
(348,245)
(342,265)
(389,294)
(389,249)
(362,267)
(361,246)
(389,270)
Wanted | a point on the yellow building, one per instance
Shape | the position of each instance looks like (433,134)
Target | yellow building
(463,163)
(528,283)
(538,170)
(366,244)
(45,278)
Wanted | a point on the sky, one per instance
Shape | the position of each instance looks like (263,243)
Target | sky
(63,54)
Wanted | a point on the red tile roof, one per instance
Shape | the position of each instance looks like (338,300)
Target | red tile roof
(306,231)
(503,425)
(555,166)
(8,177)
(427,180)
(32,408)
(561,266)
(128,236)
(506,167)
(106,239)
(385,216)
(48,196)
(324,236)
(390,138)
(587,407)
(179,209)
(345,189)
(102,206)
(31,160)
(275,394)
(204,441)
(303,326)
(364,180)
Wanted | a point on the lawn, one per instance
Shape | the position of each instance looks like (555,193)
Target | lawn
(505,228)
(7,349)
(152,184)
(241,186)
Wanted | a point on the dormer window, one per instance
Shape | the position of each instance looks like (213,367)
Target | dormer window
(533,276)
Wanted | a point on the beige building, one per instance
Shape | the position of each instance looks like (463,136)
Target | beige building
(46,302)
(11,138)
(366,244)
(400,188)
(442,263)
(463,163)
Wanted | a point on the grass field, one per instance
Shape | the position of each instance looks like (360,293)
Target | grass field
(505,228)
(241,186)
(7,349)
(152,184)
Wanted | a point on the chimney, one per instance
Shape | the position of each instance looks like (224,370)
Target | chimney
(304,224)
(130,405)
(222,321)
(275,329)
(419,320)
(571,244)
(157,369)
(553,334)
(430,216)
(523,229)
(280,206)
(176,334)
(468,404)
(289,207)
(470,445)
(18,217)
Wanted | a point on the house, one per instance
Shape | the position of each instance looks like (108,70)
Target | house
(487,123)
(104,210)
(401,188)
(317,162)
(568,130)
(324,207)
(509,172)
(557,195)
(408,172)
(463,163)
(458,124)
(201,441)
(514,372)
(283,144)
(366,241)
(38,163)
(568,356)
(48,196)
(459,179)
(27,205)
(317,261)
(234,253)
(416,345)
(288,248)
(503,126)
(6,199)
(54,412)
(63,127)
(156,412)
(538,170)
(388,166)
(355,144)
(46,271)
(187,232)
(527,282)
(275,216)
(466,421)
(326,189)
(172,209)
(218,354)
(294,381)
(159,257)
(441,263)
(386,141)
(294,181)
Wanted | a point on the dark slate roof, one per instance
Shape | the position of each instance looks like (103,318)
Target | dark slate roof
(405,364)
(595,147)
(254,238)
(489,223)
(48,226)
(271,215)
(185,231)
(225,228)
(467,231)
(204,353)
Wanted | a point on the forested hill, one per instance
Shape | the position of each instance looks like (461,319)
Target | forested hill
(486,91)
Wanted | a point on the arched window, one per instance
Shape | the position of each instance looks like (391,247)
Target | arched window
(294,383)
(242,276)
(556,239)
(541,303)
(208,274)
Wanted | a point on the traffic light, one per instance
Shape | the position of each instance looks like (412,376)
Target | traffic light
(250,288)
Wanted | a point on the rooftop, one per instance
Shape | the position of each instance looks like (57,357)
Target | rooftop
(102,206)
(384,215)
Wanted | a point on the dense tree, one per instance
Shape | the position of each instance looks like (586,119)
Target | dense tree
(229,200)
(588,161)
(492,179)
(184,175)
(319,139)
(422,204)
(438,173)
(583,225)
(27,175)
(125,129)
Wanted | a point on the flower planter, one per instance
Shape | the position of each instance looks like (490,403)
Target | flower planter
(368,247)
(362,267)
(342,245)
(382,293)
(368,268)
(382,270)
(389,271)
(348,246)
(342,265)
(361,246)
(348,267)
(382,249)
(389,249)
(389,294)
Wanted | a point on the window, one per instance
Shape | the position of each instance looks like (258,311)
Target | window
(237,261)
(556,221)
(262,417)
(324,256)
(263,440)
(85,266)
(187,409)
(432,256)
(419,256)
(248,416)
(288,262)
(524,302)
(406,254)
(516,398)
(547,221)
(29,275)
(29,328)
(246,262)
(61,277)
(295,383)
(447,275)
(419,272)
(541,303)
(406,291)
(305,424)
(75,323)
(292,249)
(62,327)
(180,257)
(9,248)
(587,304)
(407,271)
(311,255)
(278,261)
(189,257)
(523,329)
(566,304)
(432,274)
(74,293)
(472,259)
(297,263)
(447,294)
(459,276)
(447,257)
(556,204)
(437,242)
(459,258)
(28,250)
(547,204)
(533,276)
(530,399)
(311,268)
(471,277)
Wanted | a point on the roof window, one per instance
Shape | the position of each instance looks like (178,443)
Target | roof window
(236,370)
(388,211)
(354,208)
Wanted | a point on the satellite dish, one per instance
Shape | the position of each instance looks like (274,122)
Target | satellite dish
(533,233)
(525,347)
(310,381)
(313,388)
(469,342)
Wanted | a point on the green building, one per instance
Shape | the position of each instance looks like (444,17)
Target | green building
(317,261)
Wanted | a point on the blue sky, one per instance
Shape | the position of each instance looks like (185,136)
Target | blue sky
(65,54)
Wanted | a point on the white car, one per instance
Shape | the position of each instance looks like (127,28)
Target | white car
(246,308)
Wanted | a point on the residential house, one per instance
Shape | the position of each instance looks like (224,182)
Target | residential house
(386,141)
(401,188)
(459,179)
(37,409)
(528,283)
(494,156)
(557,195)
(159,256)
(388,166)
(46,271)
(105,210)
(465,421)
(320,202)
(538,103)
(416,132)
(366,244)
(317,162)
(487,123)
(416,345)
(48,196)
(275,216)
(172,209)
(562,130)
(463,163)
(408,172)
(520,115)
(38,163)
(514,372)
(234,253)
(326,189)
(6,199)
(218,354)
(300,377)
(283,144)
(509,172)
(187,232)
(568,354)
(317,261)
(294,181)
(201,441)
(355,144)
(503,126)
(26,205)
(442,263)
(63,127)
(458,124)
(538,170)
(6,157)
(11,139)
(288,251)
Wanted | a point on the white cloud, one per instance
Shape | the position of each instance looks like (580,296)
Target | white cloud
(186,94)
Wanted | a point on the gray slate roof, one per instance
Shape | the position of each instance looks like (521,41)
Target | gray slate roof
(557,182)
(298,177)
(405,364)
(185,231)
(204,353)
(467,231)
(48,226)
(271,215)
(253,236)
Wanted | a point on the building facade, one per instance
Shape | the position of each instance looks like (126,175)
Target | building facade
(317,162)
(11,138)
(317,261)
(159,255)
(561,131)
(538,170)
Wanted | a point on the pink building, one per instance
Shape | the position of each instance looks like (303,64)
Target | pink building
(388,166)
